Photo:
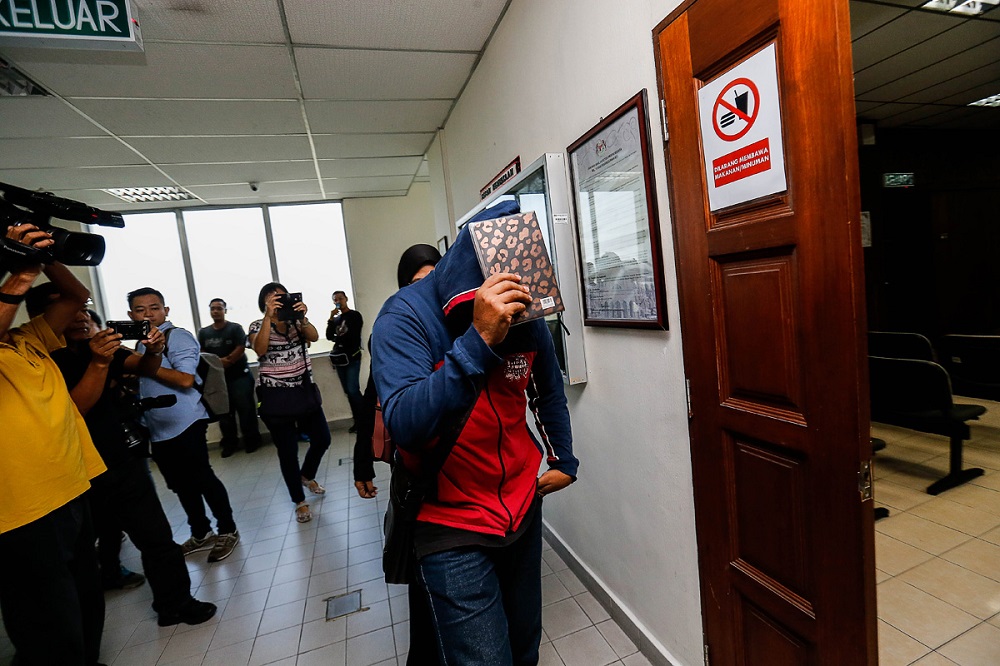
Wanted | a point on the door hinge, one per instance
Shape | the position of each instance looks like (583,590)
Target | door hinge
(865,480)
(687,387)
(706,656)
(663,116)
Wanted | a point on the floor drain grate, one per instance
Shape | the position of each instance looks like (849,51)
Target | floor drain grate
(345,461)
(344,604)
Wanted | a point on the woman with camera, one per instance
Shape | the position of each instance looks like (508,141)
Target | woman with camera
(290,401)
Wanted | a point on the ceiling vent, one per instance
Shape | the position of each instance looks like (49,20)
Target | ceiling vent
(967,7)
(13,83)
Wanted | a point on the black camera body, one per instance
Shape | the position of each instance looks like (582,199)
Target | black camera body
(287,312)
(73,248)
(130,330)
(131,409)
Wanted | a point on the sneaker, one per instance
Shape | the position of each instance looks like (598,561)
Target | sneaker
(224,546)
(193,612)
(126,580)
(194,544)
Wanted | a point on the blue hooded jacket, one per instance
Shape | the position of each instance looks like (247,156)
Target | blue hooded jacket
(433,370)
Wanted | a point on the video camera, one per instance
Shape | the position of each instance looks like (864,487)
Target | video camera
(73,248)
(130,409)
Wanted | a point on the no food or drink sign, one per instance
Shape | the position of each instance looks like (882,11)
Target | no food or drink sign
(741,132)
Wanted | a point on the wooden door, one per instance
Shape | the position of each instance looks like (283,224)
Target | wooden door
(772,315)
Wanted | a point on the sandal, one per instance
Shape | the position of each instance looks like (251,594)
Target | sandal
(302,512)
(313,486)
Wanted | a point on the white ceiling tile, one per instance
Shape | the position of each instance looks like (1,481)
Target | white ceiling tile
(926,54)
(371,145)
(977,118)
(886,110)
(80,179)
(194,150)
(361,74)
(217,71)
(354,168)
(374,194)
(277,199)
(394,24)
(211,20)
(131,118)
(898,35)
(65,152)
(265,189)
(410,116)
(866,17)
(961,88)
(96,198)
(243,172)
(337,186)
(975,59)
(41,117)
(424,170)
(975,93)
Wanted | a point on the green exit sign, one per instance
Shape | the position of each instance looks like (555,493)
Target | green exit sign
(897,180)
(89,24)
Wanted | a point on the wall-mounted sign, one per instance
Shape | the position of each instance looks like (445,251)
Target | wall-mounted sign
(508,172)
(897,180)
(741,132)
(75,24)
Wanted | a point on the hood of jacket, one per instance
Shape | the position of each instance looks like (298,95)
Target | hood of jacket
(458,275)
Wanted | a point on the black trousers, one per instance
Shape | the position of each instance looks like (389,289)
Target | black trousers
(124,498)
(285,434)
(183,461)
(242,405)
(50,589)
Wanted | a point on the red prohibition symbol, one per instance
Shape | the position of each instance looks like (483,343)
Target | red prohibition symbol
(733,119)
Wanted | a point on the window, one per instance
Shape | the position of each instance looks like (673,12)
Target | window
(229,258)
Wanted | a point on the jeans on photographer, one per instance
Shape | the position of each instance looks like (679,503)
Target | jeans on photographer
(350,379)
(124,498)
(487,602)
(183,461)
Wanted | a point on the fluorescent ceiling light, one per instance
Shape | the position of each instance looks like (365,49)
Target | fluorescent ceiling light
(992,100)
(142,194)
(13,82)
(967,7)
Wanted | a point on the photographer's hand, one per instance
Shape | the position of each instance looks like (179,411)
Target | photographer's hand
(103,347)
(88,390)
(155,342)
(148,362)
(22,276)
(309,331)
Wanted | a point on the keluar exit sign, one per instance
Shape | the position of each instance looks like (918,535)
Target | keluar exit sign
(76,24)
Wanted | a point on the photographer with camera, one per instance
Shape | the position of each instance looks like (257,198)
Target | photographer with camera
(94,364)
(177,434)
(50,589)
(343,329)
(289,399)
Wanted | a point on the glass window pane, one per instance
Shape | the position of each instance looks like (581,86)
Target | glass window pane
(229,260)
(146,253)
(311,249)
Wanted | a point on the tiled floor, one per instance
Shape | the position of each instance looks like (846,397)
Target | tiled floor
(271,591)
(938,558)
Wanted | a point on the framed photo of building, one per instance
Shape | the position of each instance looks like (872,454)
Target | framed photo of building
(617,221)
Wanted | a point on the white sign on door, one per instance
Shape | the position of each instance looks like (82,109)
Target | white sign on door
(741,132)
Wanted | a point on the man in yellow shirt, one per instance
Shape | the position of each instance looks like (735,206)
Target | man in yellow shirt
(50,589)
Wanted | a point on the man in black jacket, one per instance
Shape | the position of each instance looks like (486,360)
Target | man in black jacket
(344,329)
(93,364)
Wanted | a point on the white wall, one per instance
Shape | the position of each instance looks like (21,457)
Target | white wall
(552,71)
(378,231)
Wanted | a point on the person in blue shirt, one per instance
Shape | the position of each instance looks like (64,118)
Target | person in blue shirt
(177,433)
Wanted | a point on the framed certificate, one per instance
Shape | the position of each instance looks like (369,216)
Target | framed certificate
(617,222)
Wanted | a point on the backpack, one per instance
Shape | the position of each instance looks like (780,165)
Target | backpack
(213,388)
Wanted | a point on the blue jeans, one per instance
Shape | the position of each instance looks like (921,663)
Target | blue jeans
(487,602)
(349,378)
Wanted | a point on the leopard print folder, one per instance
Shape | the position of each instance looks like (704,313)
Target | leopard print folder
(514,244)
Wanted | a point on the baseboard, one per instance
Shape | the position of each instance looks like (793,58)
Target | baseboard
(637,633)
(265,436)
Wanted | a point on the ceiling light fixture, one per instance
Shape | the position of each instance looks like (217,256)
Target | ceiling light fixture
(992,100)
(14,83)
(144,194)
(966,7)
